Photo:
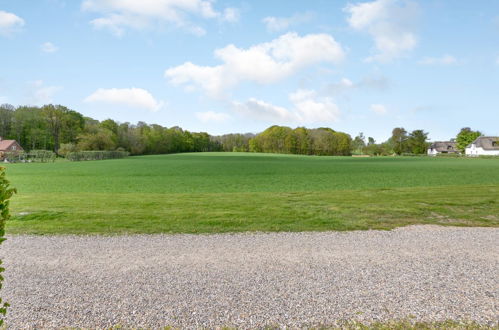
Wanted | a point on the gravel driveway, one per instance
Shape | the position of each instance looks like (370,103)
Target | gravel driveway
(251,280)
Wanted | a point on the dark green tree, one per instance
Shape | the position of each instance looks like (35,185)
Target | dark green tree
(359,143)
(399,140)
(418,142)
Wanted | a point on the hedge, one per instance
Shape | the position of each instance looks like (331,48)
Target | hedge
(95,155)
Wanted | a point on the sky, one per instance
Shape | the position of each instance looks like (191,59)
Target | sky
(242,66)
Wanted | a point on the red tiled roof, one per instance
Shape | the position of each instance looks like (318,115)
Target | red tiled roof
(5,144)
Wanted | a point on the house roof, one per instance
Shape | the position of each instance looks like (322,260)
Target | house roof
(487,142)
(5,144)
(444,146)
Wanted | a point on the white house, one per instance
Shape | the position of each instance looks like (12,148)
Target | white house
(484,146)
(442,147)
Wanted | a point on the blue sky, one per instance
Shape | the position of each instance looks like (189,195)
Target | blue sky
(241,66)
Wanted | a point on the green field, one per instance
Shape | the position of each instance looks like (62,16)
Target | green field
(231,192)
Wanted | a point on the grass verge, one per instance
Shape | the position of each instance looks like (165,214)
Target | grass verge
(148,213)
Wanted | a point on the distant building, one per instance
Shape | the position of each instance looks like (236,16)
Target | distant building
(443,147)
(484,146)
(9,146)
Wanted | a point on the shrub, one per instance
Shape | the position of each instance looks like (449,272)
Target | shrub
(66,148)
(5,194)
(95,155)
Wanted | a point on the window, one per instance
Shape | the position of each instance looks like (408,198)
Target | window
(13,147)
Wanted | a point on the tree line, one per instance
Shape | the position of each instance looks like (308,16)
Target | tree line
(402,142)
(57,128)
(64,131)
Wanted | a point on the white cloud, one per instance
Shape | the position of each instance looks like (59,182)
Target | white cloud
(41,94)
(49,47)
(263,63)
(379,109)
(9,23)
(276,24)
(443,60)
(263,111)
(211,116)
(307,108)
(131,97)
(389,22)
(139,15)
(231,15)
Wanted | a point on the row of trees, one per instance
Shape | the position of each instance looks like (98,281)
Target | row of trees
(401,142)
(57,128)
(301,140)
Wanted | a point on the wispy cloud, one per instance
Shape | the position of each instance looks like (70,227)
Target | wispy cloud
(443,60)
(378,83)
(49,47)
(9,23)
(277,24)
(211,116)
(389,22)
(130,97)
(379,109)
(117,16)
(307,108)
(42,94)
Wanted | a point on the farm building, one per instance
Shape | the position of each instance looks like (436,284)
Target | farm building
(442,147)
(9,146)
(484,146)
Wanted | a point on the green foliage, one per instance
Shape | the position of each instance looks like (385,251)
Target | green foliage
(14,156)
(465,137)
(102,139)
(5,194)
(57,128)
(233,142)
(359,143)
(41,156)
(96,155)
(417,142)
(284,140)
(223,192)
(399,140)
(67,148)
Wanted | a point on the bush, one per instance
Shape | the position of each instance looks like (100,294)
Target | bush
(66,148)
(5,194)
(95,155)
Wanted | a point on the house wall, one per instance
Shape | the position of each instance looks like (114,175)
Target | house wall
(432,152)
(474,151)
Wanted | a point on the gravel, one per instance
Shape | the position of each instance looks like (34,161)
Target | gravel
(428,273)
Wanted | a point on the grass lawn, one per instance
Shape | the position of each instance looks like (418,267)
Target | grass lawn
(231,192)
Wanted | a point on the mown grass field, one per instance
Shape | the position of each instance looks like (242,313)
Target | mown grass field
(232,192)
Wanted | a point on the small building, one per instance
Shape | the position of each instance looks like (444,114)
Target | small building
(9,146)
(443,147)
(484,146)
